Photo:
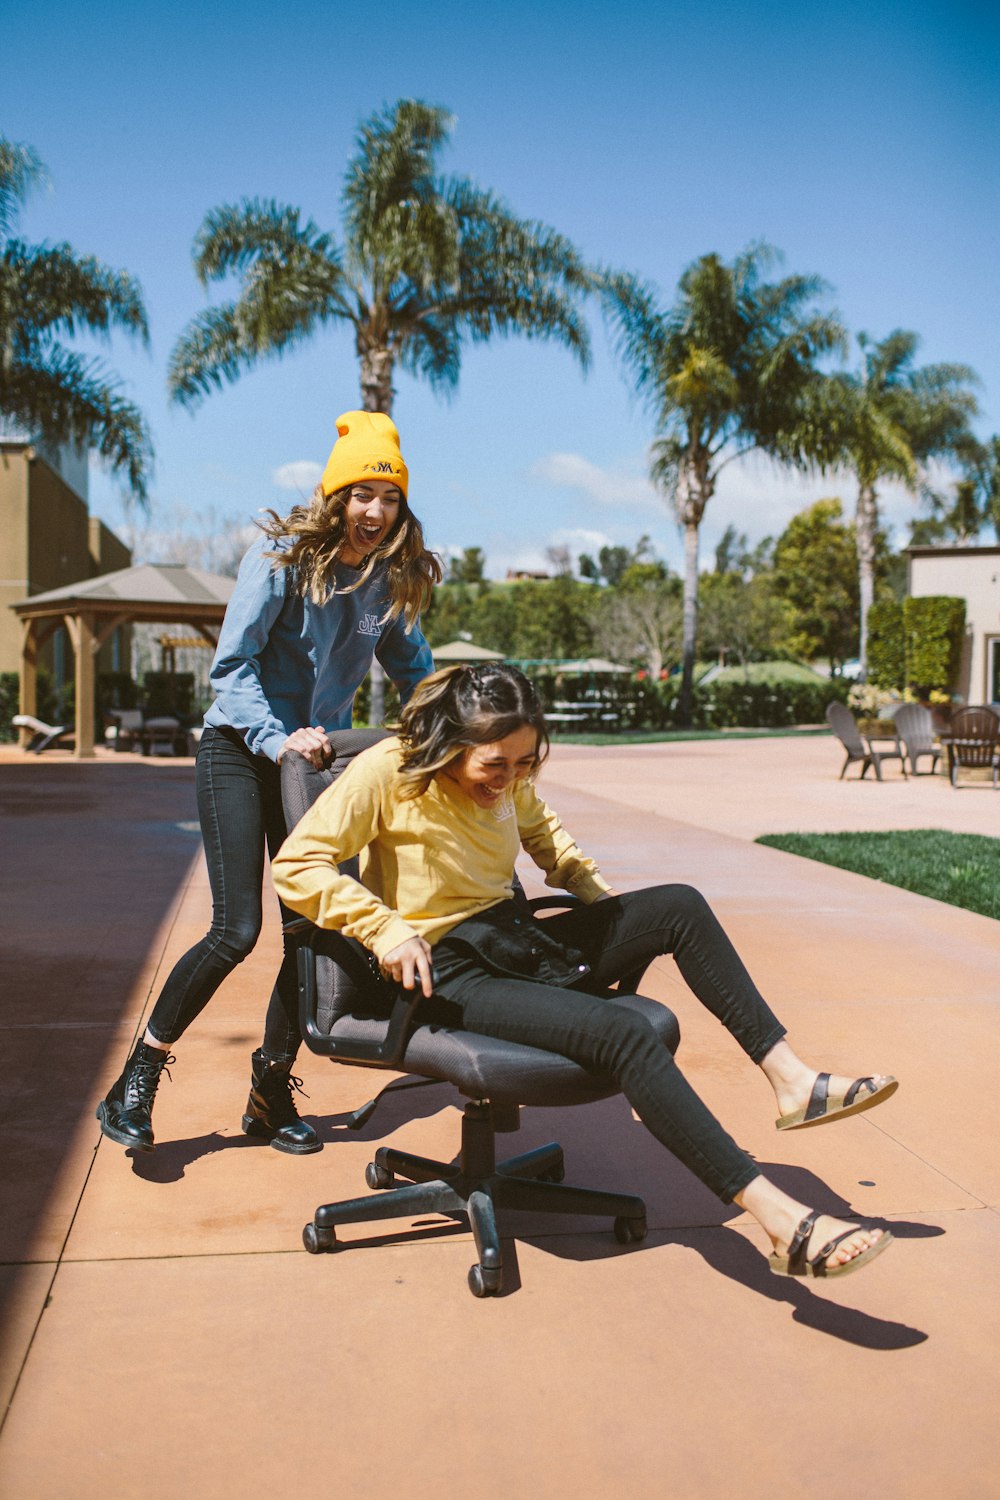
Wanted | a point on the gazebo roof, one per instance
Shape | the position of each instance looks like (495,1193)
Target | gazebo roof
(465,651)
(178,591)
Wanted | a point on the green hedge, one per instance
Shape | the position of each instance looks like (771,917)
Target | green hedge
(725,703)
(934,630)
(48,703)
(886,645)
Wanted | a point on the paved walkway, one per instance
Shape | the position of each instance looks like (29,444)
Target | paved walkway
(165,1333)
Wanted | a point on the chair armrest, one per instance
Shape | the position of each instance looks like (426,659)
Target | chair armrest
(387,1053)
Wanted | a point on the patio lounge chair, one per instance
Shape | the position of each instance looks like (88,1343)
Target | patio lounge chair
(973,741)
(863,747)
(125,730)
(916,729)
(42,735)
(351,1017)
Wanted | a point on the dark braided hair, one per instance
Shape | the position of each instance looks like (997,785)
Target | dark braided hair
(462,706)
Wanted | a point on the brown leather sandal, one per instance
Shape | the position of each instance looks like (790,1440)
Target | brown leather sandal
(797,1263)
(864,1093)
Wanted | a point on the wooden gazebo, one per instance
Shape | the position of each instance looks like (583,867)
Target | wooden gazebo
(160,594)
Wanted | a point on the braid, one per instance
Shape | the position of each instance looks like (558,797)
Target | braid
(462,706)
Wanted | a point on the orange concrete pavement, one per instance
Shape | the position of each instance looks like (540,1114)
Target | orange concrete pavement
(164,1333)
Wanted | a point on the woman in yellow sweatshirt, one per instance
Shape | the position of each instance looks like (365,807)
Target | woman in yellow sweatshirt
(439,815)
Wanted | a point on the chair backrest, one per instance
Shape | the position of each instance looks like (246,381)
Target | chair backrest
(974,734)
(916,726)
(841,721)
(347,981)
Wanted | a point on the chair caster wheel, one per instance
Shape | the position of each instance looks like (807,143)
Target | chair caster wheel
(316,1240)
(630,1231)
(484,1283)
(378,1177)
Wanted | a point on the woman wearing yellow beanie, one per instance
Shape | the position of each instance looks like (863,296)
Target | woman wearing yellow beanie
(321,591)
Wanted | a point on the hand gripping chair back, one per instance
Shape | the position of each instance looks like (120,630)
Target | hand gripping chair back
(351,1016)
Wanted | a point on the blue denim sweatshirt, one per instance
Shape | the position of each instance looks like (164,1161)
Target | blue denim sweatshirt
(283,662)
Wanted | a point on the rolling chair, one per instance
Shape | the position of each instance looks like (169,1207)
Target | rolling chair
(349,1014)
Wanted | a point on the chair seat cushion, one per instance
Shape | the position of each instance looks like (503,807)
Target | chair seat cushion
(484,1067)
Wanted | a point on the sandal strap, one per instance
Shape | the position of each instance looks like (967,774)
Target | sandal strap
(799,1241)
(860,1083)
(818,1261)
(818,1099)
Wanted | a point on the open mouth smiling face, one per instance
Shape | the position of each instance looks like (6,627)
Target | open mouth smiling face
(484,772)
(371,512)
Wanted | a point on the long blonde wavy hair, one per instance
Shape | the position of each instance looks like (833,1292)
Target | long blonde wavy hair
(462,706)
(318,531)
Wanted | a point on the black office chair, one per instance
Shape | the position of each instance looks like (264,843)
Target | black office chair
(351,1015)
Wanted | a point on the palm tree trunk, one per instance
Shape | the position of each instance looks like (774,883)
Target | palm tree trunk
(690,621)
(376,379)
(865,528)
(376,395)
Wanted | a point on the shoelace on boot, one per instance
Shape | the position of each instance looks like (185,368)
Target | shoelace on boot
(276,1086)
(144,1080)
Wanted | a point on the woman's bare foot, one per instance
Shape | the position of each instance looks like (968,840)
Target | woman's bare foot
(781,1216)
(794,1082)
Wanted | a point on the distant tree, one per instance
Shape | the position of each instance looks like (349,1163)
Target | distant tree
(742,620)
(48,292)
(956,518)
(641,620)
(560,560)
(733,554)
(553,618)
(468,567)
(815,571)
(613,562)
(884,421)
(725,369)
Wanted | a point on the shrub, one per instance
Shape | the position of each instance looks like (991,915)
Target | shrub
(934,630)
(8,705)
(764,705)
(886,645)
(53,707)
(732,702)
(168,694)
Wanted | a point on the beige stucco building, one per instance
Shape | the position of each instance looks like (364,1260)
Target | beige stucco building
(972,574)
(48,539)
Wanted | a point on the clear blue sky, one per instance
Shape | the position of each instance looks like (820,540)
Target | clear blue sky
(860,139)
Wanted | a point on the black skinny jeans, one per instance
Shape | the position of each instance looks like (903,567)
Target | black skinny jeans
(616,936)
(239,804)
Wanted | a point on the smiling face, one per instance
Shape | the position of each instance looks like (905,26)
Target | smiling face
(371,511)
(484,772)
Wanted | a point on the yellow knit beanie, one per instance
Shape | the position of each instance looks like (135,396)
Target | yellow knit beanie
(367,447)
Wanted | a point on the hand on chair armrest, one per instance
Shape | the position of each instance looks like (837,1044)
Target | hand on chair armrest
(387,1053)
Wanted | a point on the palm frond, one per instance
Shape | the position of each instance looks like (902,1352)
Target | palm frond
(234,236)
(21,169)
(72,399)
(59,292)
(285,296)
(393,166)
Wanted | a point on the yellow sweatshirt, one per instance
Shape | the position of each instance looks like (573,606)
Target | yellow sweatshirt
(427,862)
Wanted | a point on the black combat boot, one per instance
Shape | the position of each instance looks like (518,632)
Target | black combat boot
(271,1112)
(125,1114)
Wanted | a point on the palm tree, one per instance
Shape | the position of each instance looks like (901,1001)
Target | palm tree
(47,291)
(725,369)
(884,421)
(426,262)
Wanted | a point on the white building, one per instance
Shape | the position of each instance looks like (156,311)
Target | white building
(972,574)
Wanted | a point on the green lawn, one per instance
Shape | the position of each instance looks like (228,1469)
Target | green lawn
(960,868)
